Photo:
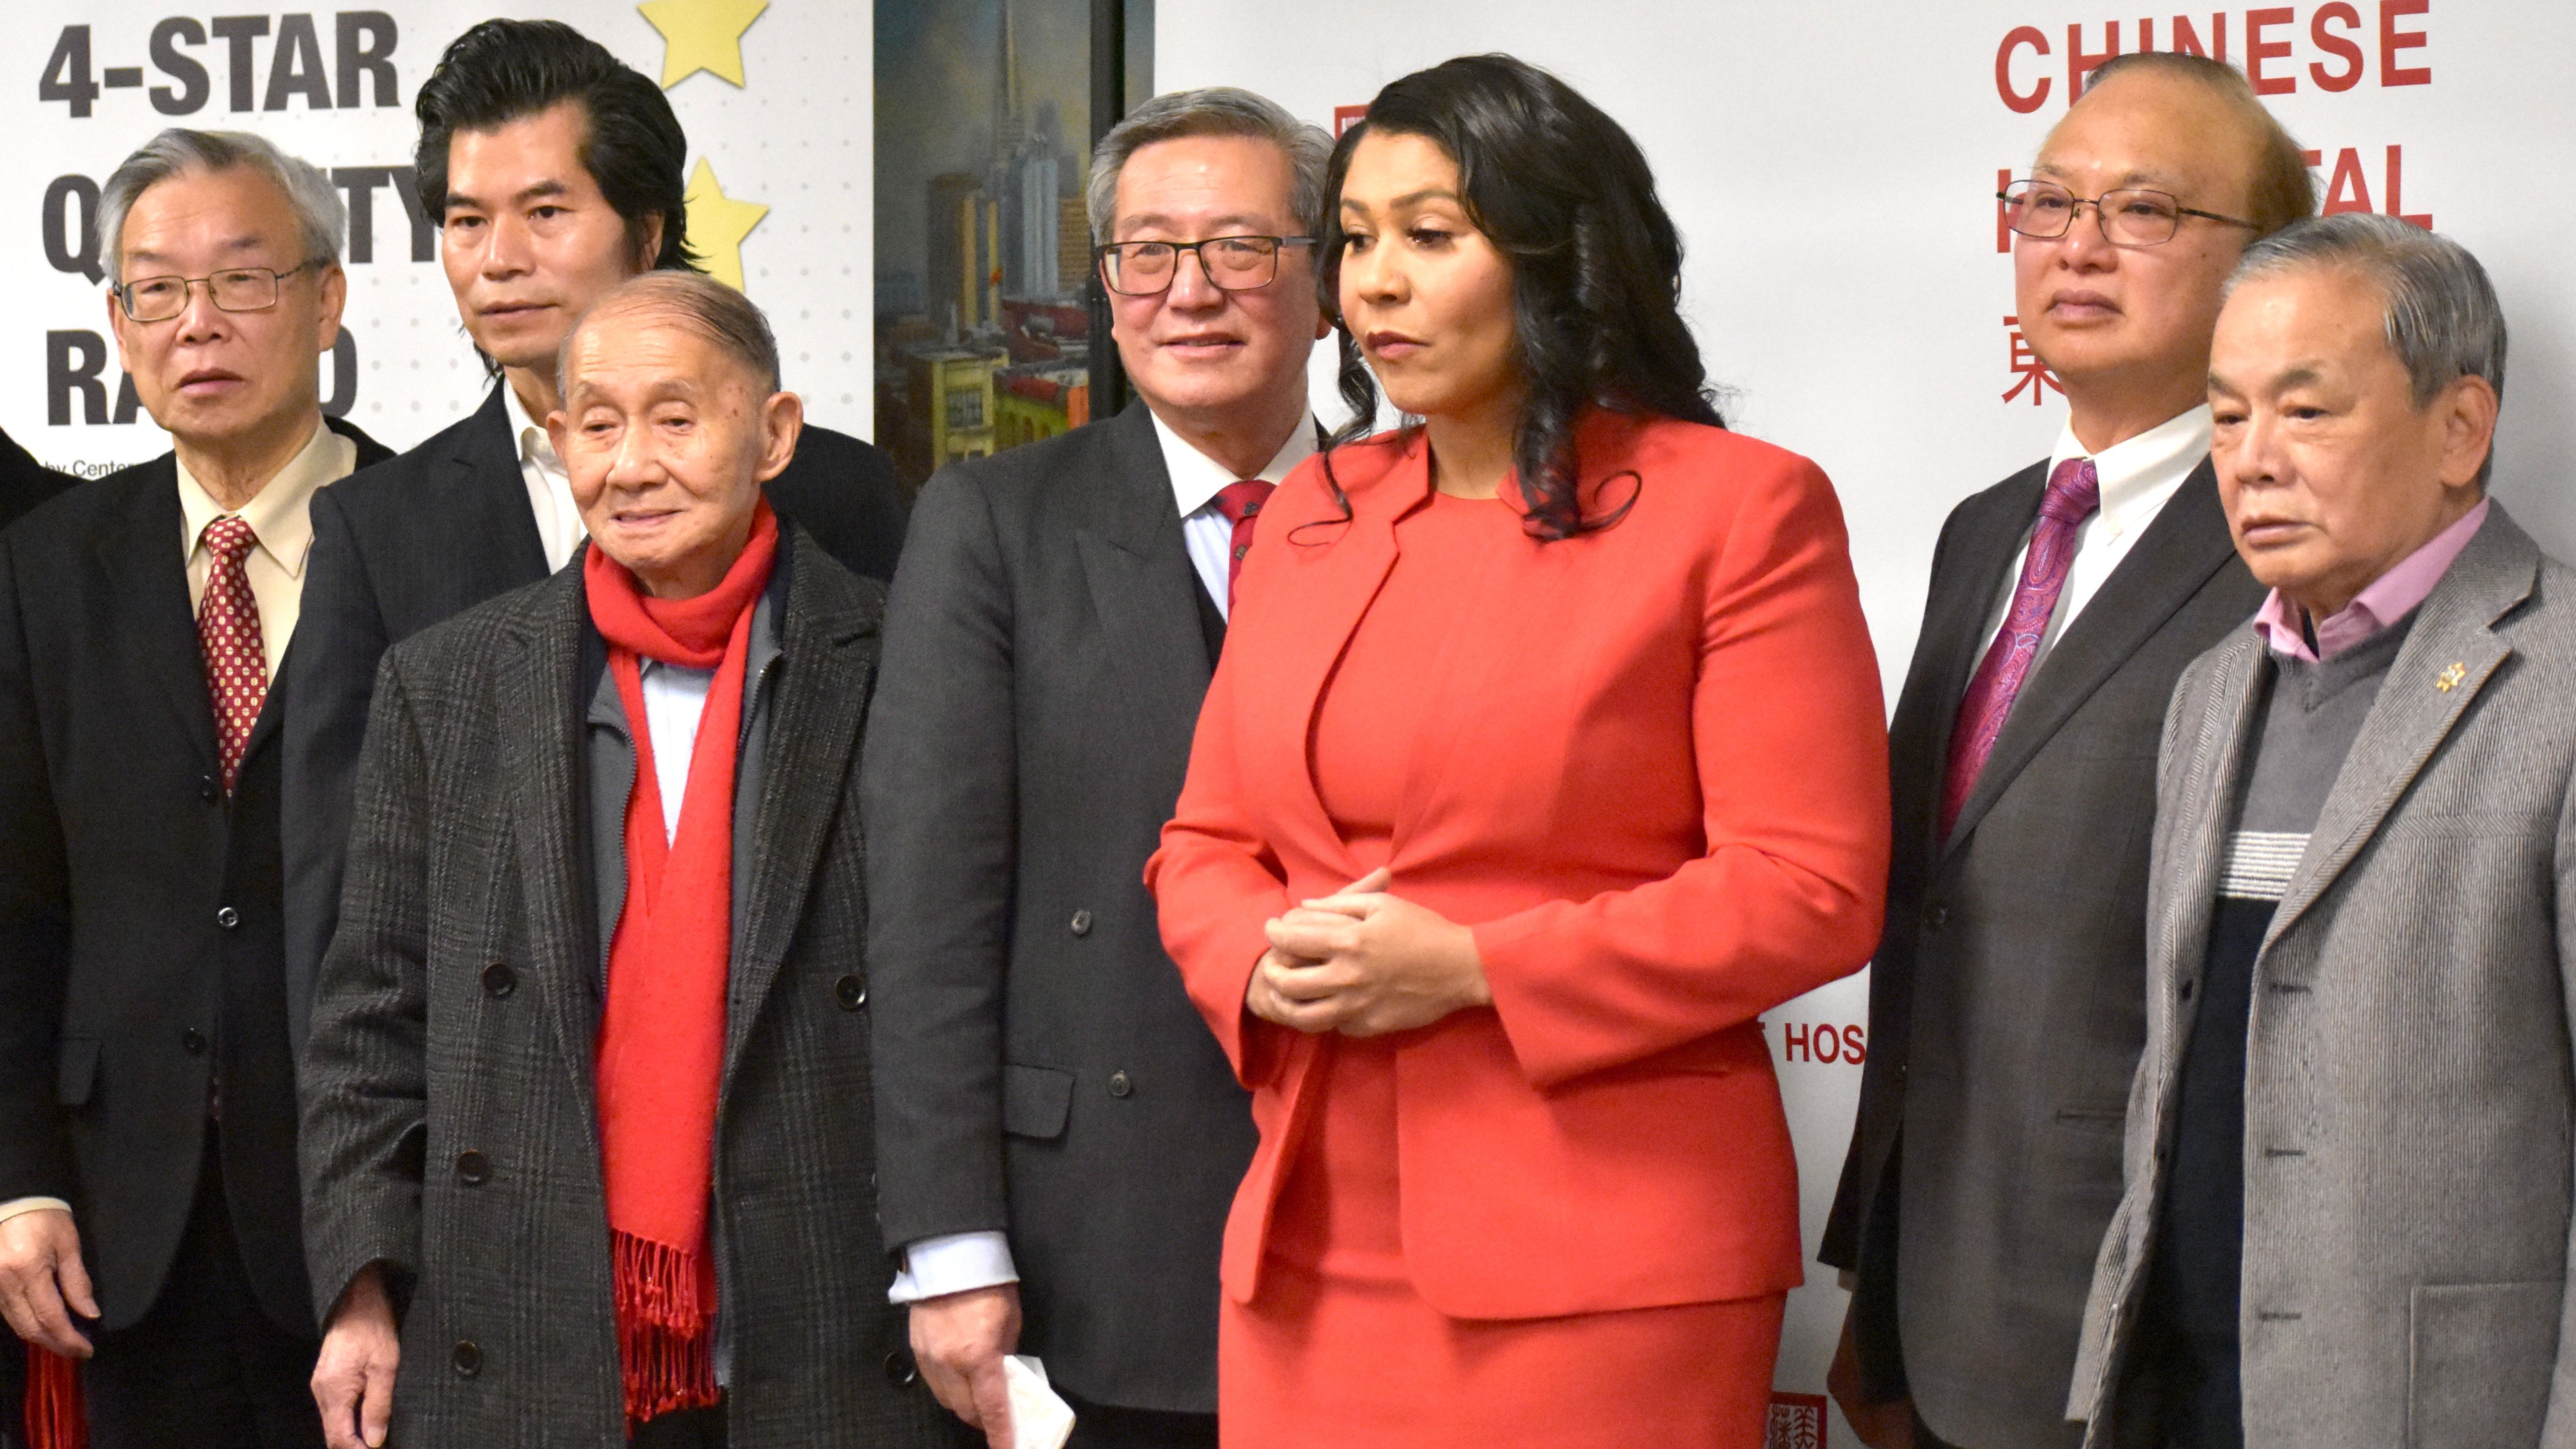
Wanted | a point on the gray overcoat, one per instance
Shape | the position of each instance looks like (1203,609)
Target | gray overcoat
(2408,1100)
(450,1118)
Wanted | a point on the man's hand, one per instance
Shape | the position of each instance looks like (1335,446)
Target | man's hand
(960,1340)
(1880,1426)
(42,1282)
(1363,963)
(353,1381)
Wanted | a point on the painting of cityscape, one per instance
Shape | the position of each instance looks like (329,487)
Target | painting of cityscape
(983,247)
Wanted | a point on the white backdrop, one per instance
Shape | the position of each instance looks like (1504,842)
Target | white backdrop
(776,99)
(1876,343)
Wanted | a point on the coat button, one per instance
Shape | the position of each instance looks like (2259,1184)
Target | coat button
(499,979)
(193,1042)
(227,917)
(468,1359)
(1082,923)
(1935,916)
(473,1167)
(850,992)
(209,791)
(898,1368)
(2186,991)
(1119,1086)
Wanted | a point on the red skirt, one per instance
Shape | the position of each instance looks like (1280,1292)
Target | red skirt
(1338,1349)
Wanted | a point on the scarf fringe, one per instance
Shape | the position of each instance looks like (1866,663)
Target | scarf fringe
(664,1341)
(56,1418)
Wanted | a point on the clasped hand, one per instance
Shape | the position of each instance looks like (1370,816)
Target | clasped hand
(1362,963)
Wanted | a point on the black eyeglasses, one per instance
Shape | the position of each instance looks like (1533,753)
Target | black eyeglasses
(2131,216)
(234,289)
(1232,263)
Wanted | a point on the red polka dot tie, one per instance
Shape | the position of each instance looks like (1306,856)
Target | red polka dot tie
(1240,503)
(228,635)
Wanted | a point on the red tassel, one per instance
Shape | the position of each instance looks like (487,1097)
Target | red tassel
(54,1416)
(664,1342)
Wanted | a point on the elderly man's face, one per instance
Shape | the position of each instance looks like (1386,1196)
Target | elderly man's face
(2114,317)
(209,376)
(667,438)
(529,241)
(1197,348)
(2330,474)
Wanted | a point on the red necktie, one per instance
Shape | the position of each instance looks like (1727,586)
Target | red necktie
(2074,492)
(1240,503)
(228,635)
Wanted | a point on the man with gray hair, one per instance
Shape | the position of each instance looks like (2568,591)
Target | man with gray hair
(2348,1161)
(1058,1134)
(147,1088)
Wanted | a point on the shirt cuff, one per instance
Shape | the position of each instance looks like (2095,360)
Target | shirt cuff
(953,1263)
(24,1205)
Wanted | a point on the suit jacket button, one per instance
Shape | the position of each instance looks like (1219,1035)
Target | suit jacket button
(898,1368)
(1119,1086)
(499,979)
(193,1042)
(1935,916)
(1082,923)
(227,917)
(468,1359)
(473,1168)
(209,791)
(850,992)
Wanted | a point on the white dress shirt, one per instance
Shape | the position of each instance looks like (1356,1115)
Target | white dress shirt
(956,1262)
(1196,481)
(559,525)
(281,517)
(2136,477)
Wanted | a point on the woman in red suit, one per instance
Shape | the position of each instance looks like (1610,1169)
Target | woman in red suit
(1545,755)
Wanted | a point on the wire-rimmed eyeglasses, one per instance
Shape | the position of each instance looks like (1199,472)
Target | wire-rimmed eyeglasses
(1232,263)
(2132,216)
(234,289)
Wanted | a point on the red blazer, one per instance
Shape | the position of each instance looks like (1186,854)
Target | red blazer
(1660,798)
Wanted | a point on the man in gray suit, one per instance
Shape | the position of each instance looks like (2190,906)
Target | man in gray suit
(1058,1134)
(2004,1009)
(586,1105)
(2348,1161)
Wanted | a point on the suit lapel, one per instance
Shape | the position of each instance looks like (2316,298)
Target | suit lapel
(821,698)
(2446,661)
(1954,623)
(147,557)
(2205,805)
(2187,543)
(1142,584)
(493,488)
(542,750)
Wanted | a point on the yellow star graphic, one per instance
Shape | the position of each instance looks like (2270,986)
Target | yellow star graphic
(718,223)
(701,35)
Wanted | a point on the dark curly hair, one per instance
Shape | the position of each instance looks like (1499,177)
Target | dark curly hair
(503,70)
(1562,190)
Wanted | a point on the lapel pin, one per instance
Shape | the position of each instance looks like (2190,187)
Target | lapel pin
(2451,677)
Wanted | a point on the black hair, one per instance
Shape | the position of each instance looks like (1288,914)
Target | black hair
(632,145)
(1562,191)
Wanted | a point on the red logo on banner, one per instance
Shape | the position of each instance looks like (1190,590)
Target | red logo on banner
(1797,1422)
(1345,117)
(2033,373)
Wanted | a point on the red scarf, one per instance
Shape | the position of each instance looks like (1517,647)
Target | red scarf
(661,1038)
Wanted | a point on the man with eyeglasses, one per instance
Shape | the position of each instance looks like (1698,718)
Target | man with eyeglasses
(1058,1136)
(149,1212)
(2006,1004)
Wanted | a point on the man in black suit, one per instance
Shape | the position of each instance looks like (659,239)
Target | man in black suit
(1057,1132)
(147,1090)
(2006,1007)
(556,173)
(24,483)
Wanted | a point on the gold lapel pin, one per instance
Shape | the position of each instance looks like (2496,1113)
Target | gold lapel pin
(2451,677)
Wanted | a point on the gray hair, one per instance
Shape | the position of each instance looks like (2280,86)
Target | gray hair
(2441,319)
(697,303)
(1213,111)
(319,216)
